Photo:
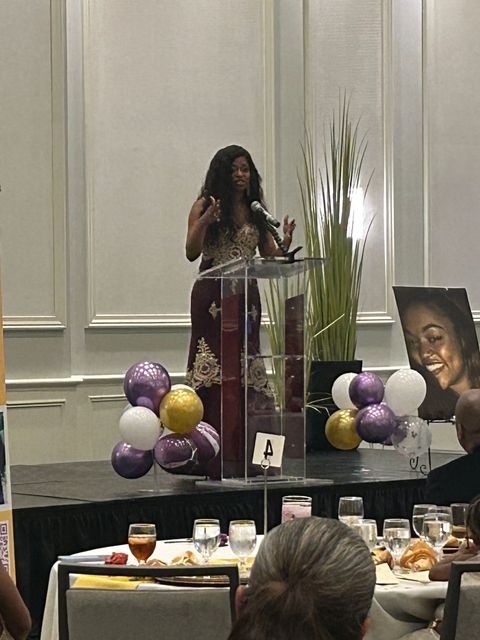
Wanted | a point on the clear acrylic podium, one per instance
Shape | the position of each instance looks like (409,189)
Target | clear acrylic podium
(263,312)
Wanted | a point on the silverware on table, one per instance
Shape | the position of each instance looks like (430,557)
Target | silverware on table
(178,540)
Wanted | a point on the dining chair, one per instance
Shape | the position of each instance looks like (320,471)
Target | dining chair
(176,613)
(461,617)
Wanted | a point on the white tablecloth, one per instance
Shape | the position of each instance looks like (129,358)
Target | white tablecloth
(403,608)
(396,610)
(164,551)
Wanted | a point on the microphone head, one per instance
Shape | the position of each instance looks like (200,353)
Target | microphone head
(256,207)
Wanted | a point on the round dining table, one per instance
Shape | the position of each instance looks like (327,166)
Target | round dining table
(397,609)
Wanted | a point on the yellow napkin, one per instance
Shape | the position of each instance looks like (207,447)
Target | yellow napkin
(248,561)
(106,582)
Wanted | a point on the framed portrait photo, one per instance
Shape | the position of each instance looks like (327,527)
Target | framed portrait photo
(441,343)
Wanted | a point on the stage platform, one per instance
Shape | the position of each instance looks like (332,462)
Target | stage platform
(69,507)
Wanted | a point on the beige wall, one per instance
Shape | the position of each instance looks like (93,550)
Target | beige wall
(111,111)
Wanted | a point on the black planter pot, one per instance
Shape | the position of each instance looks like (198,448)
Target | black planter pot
(322,376)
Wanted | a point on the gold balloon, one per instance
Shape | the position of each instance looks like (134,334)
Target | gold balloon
(181,410)
(340,429)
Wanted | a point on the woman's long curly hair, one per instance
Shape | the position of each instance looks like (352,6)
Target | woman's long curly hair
(219,184)
(313,579)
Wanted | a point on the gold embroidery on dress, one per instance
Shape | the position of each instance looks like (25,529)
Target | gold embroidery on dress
(205,369)
(213,310)
(257,376)
(242,244)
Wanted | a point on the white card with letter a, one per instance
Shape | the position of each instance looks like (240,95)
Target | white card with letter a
(269,446)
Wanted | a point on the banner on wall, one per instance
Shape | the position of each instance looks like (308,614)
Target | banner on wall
(6,520)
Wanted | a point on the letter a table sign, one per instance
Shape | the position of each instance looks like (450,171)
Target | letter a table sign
(6,522)
(268,452)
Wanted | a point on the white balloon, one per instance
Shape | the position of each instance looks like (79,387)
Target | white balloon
(340,394)
(181,386)
(412,437)
(140,427)
(405,391)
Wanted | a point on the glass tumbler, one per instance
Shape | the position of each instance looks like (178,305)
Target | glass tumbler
(350,510)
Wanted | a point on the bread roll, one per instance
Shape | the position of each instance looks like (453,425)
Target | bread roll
(418,556)
(187,558)
(452,543)
(382,555)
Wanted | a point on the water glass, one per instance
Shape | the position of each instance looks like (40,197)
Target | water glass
(296,507)
(397,536)
(350,510)
(419,511)
(459,519)
(367,530)
(242,538)
(206,537)
(437,528)
(142,539)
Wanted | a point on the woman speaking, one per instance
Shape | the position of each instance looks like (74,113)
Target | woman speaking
(223,225)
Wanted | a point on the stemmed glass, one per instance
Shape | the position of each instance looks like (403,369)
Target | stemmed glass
(142,539)
(437,527)
(419,511)
(367,530)
(206,537)
(397,536)
(440,509)
(242,538)
(350,510)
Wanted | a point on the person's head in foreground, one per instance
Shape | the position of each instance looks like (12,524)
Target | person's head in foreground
(467,420)
(312,579)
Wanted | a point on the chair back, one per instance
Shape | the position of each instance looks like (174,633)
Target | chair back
(461,618)
(176,613)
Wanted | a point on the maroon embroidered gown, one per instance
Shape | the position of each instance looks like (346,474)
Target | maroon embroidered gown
(204,360)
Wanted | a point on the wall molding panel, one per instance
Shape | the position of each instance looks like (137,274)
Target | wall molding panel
(139,321)
(56,216)
(36,404)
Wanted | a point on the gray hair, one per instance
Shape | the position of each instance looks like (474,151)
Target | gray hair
(313,579)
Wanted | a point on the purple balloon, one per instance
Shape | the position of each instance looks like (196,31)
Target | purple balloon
(129,462)
(366,388)
(375,423)
(145,384)
(176,453)
(207,440)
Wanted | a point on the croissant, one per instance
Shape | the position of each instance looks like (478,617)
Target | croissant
(419,556)
(187,558)
(382,555)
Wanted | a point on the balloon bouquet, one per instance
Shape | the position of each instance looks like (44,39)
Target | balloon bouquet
(378,413)
(162,424)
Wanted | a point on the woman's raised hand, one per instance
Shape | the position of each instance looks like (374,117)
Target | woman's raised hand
(288,229)
(213,212)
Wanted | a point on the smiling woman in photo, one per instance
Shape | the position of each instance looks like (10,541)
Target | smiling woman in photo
(441,343)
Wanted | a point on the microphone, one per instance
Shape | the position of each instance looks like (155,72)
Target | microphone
(256,207)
